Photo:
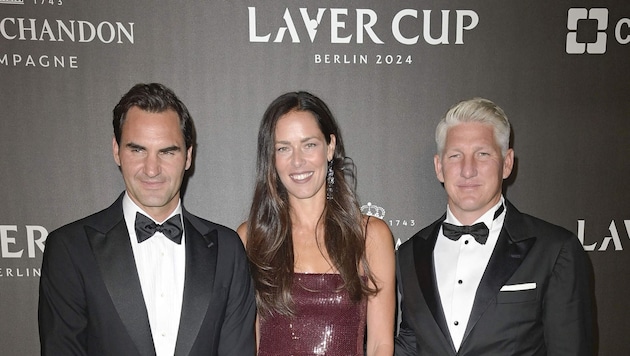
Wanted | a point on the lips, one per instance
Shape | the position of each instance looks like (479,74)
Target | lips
(301,177)
(152,184)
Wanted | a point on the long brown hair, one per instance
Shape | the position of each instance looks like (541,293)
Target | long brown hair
(269,242)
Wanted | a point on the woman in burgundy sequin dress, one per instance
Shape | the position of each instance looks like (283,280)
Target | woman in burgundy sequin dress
(324,273)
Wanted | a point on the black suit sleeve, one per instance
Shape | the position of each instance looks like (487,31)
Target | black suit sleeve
(567,317)
(405,341)
(237,332)
(62,304)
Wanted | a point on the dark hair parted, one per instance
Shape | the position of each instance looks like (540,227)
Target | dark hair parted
(269,242)
(155,98)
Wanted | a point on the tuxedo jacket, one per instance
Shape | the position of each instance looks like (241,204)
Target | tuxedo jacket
(91,303)
(543,309)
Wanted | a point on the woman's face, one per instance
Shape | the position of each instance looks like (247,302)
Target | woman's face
(302,155)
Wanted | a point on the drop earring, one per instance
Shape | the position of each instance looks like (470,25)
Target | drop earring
(330,181)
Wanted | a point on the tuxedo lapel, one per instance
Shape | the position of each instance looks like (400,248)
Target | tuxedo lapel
(114,256)
(425,271)
(201,259)
(510,251)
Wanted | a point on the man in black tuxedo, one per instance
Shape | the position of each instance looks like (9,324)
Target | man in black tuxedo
(144,276)
(486,279)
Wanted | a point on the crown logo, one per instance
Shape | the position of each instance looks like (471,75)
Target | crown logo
(373,210)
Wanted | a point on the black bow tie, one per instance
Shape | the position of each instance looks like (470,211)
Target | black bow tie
(479,231)
(171,228)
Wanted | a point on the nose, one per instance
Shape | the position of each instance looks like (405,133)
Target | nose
(469,167)
(152,166)
(297,159)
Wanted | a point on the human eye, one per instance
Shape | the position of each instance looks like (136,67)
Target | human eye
(169,151)
(281,149)
(135,148)
(484,154)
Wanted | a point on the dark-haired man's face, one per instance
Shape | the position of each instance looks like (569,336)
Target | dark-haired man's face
(153,158)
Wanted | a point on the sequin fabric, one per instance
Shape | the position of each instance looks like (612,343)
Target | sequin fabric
(327,322)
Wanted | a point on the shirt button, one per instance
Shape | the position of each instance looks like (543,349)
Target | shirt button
(465,242)
(456,323)
(460,282)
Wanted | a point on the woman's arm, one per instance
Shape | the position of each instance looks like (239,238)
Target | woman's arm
(381,307)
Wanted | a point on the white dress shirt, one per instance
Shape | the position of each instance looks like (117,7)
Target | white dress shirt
(161,267)
(459,267)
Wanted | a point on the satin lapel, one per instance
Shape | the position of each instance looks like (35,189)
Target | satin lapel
(118,269)
(425,271)
(507,256)
(201,260)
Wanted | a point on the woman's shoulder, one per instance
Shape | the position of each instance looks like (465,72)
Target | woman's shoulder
(376,229)
(379,248)
(241,230)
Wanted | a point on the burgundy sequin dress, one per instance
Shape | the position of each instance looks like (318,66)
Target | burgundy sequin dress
(326,321)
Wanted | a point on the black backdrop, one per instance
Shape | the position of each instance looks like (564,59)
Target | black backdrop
(558,68)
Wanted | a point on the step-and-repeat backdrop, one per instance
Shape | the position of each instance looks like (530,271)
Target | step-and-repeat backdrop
(388,69)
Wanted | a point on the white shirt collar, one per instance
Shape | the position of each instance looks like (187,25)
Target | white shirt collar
(487,218)
(130,208)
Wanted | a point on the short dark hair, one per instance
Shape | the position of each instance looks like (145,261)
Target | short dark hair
(155,98)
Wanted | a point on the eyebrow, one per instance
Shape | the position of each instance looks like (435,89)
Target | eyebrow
(170,149)
(162,150)
(134,146)
(301,141)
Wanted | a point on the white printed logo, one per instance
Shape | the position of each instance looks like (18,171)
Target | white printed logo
(373,210)
(578,15)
